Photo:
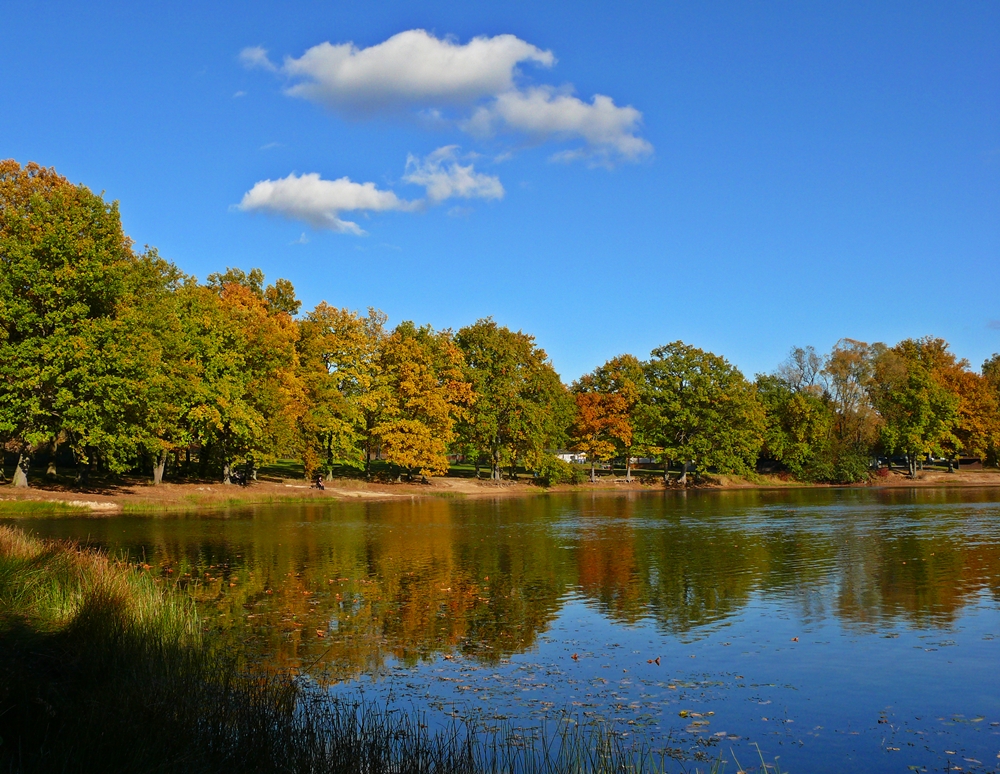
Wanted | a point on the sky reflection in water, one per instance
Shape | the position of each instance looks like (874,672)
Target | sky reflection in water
(838,629)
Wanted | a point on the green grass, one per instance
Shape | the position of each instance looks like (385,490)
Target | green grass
(11,508)
(103,667)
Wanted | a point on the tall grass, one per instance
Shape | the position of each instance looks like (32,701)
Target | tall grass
(103,669)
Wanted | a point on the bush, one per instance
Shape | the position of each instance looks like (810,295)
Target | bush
(552,470)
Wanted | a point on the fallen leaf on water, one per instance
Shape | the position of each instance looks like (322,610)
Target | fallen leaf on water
(575,657)
(795,639)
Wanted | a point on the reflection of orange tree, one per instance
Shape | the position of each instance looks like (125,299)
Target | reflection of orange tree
(608,569)
(406,581)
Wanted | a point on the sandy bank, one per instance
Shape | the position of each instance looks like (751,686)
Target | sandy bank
(138,496)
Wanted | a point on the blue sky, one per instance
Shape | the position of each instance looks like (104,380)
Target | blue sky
(752,176)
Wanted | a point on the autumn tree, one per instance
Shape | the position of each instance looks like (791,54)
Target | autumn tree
(248,396)
(425,392)
(620,380)
(847,379)
(521,406)
(705,414)
(598,416)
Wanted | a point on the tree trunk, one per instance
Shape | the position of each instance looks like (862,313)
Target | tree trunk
(591,470)
(666,471)
(82,470)
(628,466)
(951,464)
(226,473)
(21,471)
(684,474)
(159,465)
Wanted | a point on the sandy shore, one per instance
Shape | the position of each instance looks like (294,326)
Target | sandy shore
(139,496)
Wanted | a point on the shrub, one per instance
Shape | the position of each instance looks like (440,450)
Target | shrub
(552,470)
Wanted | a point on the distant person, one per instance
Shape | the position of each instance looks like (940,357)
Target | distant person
(319,481)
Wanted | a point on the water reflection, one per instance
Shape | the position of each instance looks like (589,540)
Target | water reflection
(354,584)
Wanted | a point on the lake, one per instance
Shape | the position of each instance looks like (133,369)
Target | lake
(837,629)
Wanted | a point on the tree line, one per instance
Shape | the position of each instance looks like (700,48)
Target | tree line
(114,357)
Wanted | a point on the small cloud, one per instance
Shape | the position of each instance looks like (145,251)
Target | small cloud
(310,199)
(460,212)
(444,177)
(993,325)
(255,57)
(270,145)
(302,240)
(388,246)
(609,131)
(239,94)
(503,157)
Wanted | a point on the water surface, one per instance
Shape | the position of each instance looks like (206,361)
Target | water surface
(837,629)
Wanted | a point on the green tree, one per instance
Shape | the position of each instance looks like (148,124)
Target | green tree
(918,412)
(705,414)
(69,367)
(521,406)
(338,354)
(798,423)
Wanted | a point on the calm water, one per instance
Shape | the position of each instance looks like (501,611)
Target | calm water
(841,630)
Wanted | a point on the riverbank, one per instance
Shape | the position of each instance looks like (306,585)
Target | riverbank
(138,496)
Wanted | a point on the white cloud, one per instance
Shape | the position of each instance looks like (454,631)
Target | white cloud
(412,68)
(256,57)
(444,177)
(319,202)
(543,113)
(310,199)
(476,85)
(239,94)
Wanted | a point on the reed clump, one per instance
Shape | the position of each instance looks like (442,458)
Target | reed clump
(103,669)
